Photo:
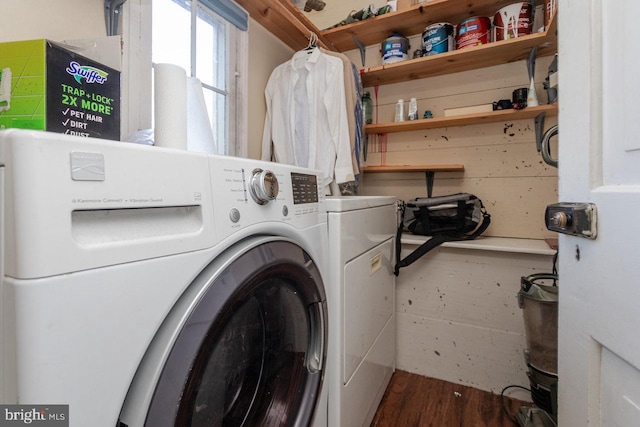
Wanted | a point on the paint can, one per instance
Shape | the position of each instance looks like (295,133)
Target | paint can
(437,38)
(395,49)
(512,21)
(473,32)
(550,7)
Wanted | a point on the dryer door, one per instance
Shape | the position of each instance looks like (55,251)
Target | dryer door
(244,346)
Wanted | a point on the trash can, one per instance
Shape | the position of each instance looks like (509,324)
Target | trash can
(538,299)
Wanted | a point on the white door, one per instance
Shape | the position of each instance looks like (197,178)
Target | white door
(599,154)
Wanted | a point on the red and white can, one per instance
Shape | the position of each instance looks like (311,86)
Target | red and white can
(550,7)
(513,21)
(473,31)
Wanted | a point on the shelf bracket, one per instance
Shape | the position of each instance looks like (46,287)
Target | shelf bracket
(539,124)
(430,175)
(531,62)
(111,12)
(361,47)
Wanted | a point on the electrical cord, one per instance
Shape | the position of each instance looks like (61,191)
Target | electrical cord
(504,407)
(554,270)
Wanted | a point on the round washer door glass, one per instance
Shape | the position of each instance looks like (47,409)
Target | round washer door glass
(251,351)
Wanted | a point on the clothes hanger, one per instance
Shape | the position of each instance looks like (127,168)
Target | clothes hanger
(311,48)
(313,41)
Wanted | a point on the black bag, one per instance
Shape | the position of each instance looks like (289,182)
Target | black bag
(446,218)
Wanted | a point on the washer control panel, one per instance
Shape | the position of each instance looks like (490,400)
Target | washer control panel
(304,188)
(247,192)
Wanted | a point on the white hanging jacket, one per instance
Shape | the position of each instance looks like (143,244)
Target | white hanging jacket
(306,123)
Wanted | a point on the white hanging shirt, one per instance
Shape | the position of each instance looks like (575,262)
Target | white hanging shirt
(306,123)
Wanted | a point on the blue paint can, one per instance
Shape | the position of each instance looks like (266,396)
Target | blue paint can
(438,38)
(395,49)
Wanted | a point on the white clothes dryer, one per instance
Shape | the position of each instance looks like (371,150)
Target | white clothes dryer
(361,301)
(144,286)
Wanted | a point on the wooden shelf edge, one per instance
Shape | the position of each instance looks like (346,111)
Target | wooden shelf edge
(552,242)
(342,37)
(410,21)
(414,168)
(293,27)
(463,120)
(471,58)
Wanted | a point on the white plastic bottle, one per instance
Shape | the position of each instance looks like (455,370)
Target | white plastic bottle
(413,109)
(400,110)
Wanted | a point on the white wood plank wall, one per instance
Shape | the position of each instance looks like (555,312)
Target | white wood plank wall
(502,165)
(458,318)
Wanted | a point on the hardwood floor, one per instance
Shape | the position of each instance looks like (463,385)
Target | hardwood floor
(416,401)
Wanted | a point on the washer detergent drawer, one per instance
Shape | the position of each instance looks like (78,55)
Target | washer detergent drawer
(368,308)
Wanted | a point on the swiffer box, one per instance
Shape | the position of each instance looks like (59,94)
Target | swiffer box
(45,86)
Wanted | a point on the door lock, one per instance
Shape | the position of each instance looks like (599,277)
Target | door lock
(576,219)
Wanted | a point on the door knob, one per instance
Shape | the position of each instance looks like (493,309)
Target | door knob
(576,219)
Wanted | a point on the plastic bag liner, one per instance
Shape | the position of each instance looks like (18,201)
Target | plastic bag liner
(539,304)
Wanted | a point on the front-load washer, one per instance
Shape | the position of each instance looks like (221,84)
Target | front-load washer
(361,301)
(145,286)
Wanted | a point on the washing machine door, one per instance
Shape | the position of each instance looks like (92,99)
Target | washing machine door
(244,346)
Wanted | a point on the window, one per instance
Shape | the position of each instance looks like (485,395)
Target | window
(208,39)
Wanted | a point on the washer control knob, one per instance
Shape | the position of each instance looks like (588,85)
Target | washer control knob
(264,186)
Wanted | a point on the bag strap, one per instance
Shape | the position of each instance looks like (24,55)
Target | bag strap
(402,206)
(462,210)
(434,241)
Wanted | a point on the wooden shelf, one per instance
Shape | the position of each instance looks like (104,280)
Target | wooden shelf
(414,168)
(285,21)
(464,120)
(410,21)
(293,27)
(471,58)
